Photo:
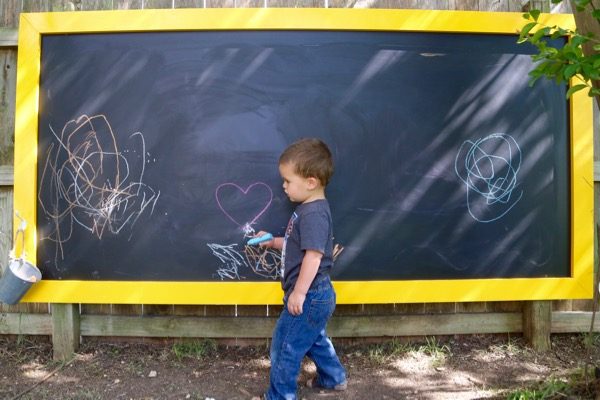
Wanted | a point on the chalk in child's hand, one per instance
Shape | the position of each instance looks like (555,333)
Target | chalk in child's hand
(257,240)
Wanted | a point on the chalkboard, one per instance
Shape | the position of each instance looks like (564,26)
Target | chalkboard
(157,154)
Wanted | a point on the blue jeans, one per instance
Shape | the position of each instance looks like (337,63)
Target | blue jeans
(297,336)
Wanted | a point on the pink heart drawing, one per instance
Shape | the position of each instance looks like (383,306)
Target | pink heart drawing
(233,200)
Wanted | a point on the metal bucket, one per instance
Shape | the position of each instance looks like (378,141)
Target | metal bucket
(20,275)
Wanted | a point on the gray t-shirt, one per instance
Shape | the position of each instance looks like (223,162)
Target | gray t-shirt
(309,228)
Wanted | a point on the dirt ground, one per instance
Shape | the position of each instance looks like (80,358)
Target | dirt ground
(466,367)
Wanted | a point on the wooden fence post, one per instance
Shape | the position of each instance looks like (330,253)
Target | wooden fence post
(537,324)
(65,330)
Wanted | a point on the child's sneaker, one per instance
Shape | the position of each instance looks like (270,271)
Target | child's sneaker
(314,384)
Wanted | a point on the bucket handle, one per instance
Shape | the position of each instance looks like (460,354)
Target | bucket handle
(20,231)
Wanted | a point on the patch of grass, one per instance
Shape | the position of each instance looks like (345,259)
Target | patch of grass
(591,339)
(547,390)
(195,349)
(114,350)
(20,350)
(434,349)
(383,352)
(513,347)
(574,386)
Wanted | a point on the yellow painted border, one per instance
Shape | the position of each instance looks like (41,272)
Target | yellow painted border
(34,26)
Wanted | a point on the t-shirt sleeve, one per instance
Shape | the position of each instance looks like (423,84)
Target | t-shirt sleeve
(314,231)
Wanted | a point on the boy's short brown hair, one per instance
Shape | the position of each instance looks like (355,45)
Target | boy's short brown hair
(311,159)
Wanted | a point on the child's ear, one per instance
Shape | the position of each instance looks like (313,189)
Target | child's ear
(312,182)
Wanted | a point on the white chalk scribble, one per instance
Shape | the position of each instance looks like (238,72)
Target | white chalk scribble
(489,168)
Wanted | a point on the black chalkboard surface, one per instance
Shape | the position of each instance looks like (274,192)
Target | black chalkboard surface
(157,150)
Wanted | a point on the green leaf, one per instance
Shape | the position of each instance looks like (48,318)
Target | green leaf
(596,14)
(538,35)
(597,47)
(570,54)
(582,3)
(525,32)
(535,14)
(589,72)
(579,40)
(570,71)
(574,89)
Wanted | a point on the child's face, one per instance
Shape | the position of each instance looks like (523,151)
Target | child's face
(297,188)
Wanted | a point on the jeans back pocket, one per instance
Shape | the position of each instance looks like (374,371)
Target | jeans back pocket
(320,311)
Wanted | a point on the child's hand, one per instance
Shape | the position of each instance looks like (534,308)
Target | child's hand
(268,243)
(295,302)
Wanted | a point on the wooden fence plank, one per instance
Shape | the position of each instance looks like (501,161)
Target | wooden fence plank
(378,309)
(6,221)
(248,327)
(126,309)
(7,175)
(35,6)
(440,308)
(287,3)
(221,311)
(25,324)
(477,306)
(537,324)
(62,5)
(162,309)
(574,321)
(89,5)
(254,327)
(189,3)
(493,5)
(8,88)
(251,311)
(467,5)
(515,5)
(9,13)
(562,305)
(596,171)
(96,309)
(342,309)
(127,4)
(65,330)
(423,325)
(410,308)
(213,327)
(397,4)
(242,3)
(8,37)
(583,305)
(504,306)
(148,4)
(190,311)
(340,3)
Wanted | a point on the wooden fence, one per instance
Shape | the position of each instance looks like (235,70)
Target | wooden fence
(67,323)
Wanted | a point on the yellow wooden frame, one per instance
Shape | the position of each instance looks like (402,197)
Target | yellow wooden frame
(34,26)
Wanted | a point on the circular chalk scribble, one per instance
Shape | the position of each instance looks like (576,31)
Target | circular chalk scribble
(489,168)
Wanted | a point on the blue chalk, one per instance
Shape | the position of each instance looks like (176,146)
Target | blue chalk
(261,239)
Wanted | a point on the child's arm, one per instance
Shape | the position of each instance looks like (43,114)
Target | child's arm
(276,242)
(308,271)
